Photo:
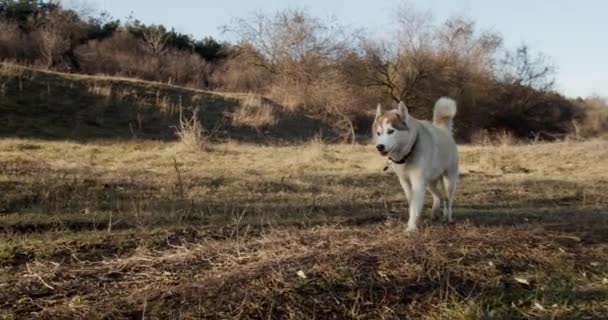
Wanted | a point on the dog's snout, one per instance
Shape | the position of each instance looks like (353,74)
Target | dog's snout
(380,147)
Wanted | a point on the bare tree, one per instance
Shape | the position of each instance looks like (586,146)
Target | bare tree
(521,68)
(425,56)
(400,64)
(58,33)
(305,62)
(302,55)
(396,71)
(290,37)
(155,40)
(52,40)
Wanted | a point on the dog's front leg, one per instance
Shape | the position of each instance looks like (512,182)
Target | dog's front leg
(416,202)
(407,187)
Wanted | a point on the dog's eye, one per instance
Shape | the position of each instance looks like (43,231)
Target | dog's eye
(390,131)
(378,133)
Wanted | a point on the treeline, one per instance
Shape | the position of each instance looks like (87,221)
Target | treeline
(314,65)
(44,34)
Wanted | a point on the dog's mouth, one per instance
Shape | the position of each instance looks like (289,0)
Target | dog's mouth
(383,153)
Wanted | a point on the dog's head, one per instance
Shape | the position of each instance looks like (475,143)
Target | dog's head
(393,130)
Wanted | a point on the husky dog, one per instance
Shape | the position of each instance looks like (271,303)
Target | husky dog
(422,154)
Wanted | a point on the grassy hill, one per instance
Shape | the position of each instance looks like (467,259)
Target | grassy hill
(51,105)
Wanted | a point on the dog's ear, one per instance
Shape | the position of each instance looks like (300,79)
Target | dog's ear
(378,111)
(403,111)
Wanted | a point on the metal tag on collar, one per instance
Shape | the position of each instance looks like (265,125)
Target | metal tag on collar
(388,164)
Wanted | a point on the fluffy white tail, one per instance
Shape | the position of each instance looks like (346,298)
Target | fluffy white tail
(444,112)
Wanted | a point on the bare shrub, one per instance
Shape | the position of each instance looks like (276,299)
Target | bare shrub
(594,122)
(330,97)
(481,137)
(15,45)
(57,34)
(290,38)
(116,55)
(52,44)
(254,112)
(319,67)
(521,67)
(429,60)
(190,132)
(184,68)
(301,55)
(124,55)
(154,40)
(241,73)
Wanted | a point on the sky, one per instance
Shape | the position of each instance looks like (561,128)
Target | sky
(571,33)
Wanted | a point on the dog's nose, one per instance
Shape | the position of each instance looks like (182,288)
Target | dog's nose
(380,147)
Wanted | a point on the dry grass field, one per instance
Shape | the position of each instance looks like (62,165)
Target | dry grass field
(140,229)
(103,215)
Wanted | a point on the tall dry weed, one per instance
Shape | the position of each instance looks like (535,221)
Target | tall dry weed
(500,138)
(190,132)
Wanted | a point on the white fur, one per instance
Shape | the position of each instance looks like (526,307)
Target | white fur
(443,113)
(432,159)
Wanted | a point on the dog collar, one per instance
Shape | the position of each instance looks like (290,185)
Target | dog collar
(402,161)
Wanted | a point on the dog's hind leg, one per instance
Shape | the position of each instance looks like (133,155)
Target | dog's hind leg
(434,187)
(449,183)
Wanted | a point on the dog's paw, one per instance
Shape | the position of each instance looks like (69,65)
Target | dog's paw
(411,229)
(447,220)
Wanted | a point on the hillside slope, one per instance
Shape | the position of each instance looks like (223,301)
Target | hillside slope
(51,105)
